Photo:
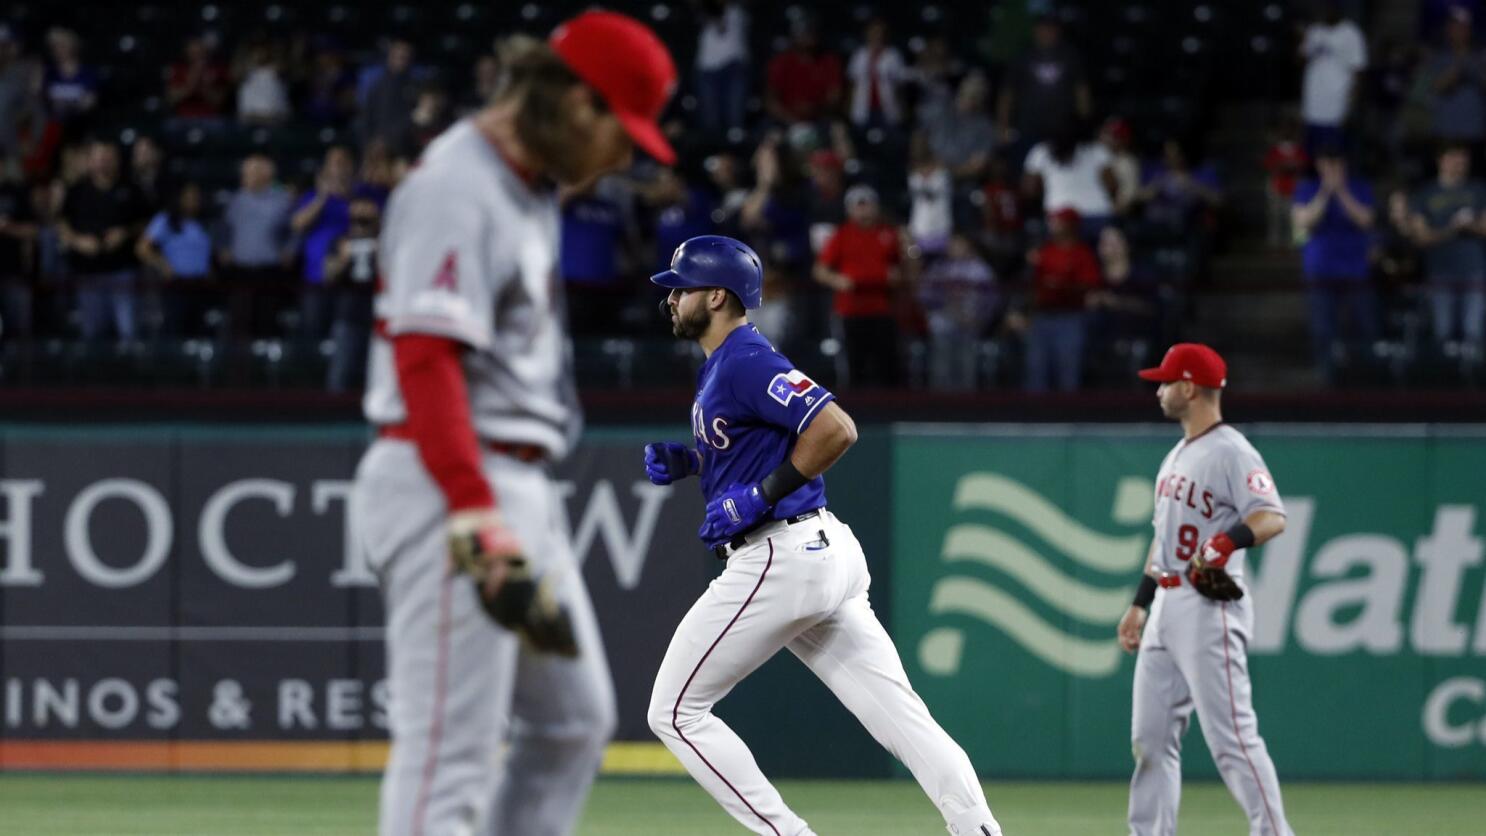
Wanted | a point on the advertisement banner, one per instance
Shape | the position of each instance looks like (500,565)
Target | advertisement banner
(1017,551)
(192,598)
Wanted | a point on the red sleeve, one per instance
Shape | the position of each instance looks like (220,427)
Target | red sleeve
(432,382)
(776,80)
(831,255)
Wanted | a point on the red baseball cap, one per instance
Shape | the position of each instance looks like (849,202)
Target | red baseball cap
(628,66)
(1190,361)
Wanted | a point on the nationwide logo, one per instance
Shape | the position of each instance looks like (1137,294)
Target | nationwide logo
(996,510)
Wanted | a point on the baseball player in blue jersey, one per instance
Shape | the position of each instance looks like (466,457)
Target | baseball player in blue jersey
(796,576)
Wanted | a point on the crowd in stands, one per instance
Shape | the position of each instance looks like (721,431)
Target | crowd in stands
(932,211)
(1385,206)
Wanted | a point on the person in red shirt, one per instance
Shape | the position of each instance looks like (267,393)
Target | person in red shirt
(861,263)
(1285,162)
(197,85)
(804,81)
(1065,272)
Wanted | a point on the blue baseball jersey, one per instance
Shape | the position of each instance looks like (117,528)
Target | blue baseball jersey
(751,405)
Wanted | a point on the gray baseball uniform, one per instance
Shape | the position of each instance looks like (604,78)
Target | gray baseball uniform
(1193,652)
(469,253)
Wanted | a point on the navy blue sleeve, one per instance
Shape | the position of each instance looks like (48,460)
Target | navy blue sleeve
(768,388)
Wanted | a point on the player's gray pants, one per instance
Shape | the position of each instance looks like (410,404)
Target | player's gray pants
(1193,655)
(803,587)
(461,687)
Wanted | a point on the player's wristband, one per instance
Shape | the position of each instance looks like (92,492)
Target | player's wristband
(1241,535)
(1146,593)
(785,480)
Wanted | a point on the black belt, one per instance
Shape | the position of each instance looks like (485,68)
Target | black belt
(741,539)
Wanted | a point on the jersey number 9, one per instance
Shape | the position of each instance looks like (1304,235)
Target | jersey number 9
(1186,542)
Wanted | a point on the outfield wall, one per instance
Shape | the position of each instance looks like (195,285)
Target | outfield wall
(180,597)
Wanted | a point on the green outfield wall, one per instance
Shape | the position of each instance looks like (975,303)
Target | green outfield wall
(170,594)
(1016,551)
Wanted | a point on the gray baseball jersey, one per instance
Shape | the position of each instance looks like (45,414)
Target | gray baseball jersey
(1206,486)
(469,252)
(1194,651)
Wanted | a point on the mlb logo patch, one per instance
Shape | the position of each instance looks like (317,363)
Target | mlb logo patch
(791,384)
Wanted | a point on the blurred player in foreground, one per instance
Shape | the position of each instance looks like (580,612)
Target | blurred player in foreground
(796,576)
(491,637)
(1214,500)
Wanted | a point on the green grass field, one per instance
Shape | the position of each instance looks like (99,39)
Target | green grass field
(51,804)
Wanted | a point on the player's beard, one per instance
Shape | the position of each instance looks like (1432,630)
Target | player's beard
(691,326)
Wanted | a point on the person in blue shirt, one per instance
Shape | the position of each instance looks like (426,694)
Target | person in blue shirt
(178,248)
(1335,212)
(764,432)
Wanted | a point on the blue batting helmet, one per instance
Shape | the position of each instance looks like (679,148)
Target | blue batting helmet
(716,261)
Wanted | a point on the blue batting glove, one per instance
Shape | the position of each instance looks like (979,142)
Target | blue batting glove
(736,509)
(667,461)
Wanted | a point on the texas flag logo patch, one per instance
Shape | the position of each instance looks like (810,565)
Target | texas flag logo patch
(791,384)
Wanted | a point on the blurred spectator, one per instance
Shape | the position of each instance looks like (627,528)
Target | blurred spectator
(69,86)
(861,263)
(1046,92)
(387,112)
(931,194)
(827,196)
(351,274)
(256,223)
(101,216)
(962,135)
(1396,111)
(1066,173)
(49,259)
(682,211)
(1065,272)
(177,247)
(147,173)
(262,97)
(1335,52)
(722,65)
(1456,79)
(775,219)
(1127,307)
(1396,256)
(175,243)
(1114,135)
(1335,213)
(18,231)
(876,70)
(1284,161)
(728,191)
(1435,14)
(804,80)
(933,79)
(18,102)
(485,77)
(429,118)
(196,85)
(320,218)
(958,295)
(378,174)
(1447,219)
(330,88)
(1001,217)
(593,236)
(1175,196)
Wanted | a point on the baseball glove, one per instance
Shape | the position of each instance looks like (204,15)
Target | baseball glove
(513,595)
(1212,582)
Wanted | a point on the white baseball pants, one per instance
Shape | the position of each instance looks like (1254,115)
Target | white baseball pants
(462,688)
(1194,655)
(804,587)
